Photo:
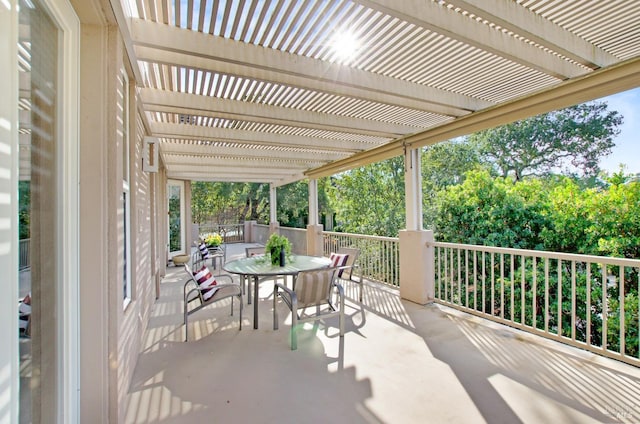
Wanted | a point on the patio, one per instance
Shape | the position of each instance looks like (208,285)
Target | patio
(399,363)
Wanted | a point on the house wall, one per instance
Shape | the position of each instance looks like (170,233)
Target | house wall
(111,329)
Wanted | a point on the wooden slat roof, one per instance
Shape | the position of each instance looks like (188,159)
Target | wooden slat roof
(248,90)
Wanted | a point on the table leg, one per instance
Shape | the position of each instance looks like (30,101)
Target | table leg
(248,279)
(255,302)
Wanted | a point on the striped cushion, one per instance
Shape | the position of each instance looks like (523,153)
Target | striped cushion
(204,251)
(339,259)
(206,282)
(313,287)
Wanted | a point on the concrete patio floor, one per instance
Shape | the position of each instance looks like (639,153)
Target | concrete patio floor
(399,362)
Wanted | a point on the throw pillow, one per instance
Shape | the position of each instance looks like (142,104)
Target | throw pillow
(339,259)
(206,282)
(204,251)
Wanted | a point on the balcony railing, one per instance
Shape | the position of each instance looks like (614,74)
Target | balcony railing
(587,301)
(554,295)
(25,254)
(231,233)
(379,256)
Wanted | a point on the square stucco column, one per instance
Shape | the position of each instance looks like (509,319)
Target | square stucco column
(249,231)
(314,240)
(417,282)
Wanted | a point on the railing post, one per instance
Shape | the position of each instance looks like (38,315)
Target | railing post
(314,240)
(249,231)
(417,277)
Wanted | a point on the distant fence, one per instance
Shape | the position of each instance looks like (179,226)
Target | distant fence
(25,254)
(231,233)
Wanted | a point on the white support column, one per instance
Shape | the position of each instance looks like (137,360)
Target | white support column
(313,202)
(314,230)
(417,270)
(413,189)
(416,257)
(273,209)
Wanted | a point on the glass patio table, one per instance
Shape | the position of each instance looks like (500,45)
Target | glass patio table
(259,266)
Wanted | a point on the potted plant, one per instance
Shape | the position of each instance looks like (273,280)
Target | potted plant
(278,247)
(212,239)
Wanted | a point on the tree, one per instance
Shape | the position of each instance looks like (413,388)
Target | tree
(443,165)
(492,211)
(370,199)
(577,136)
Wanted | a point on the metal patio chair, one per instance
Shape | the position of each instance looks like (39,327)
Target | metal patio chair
(310,300)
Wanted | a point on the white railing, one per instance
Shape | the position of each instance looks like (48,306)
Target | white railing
(379,256)
(555,295)
(25,254)
(231,233)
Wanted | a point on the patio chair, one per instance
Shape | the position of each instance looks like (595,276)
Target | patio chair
(246,281)
(204,253)
(351,270)
(310,300)
(206,289)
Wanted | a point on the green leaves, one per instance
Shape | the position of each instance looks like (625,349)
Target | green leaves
(575,137)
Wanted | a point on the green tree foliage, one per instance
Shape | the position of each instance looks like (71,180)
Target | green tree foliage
(487,211)
(554,215)
(24,217)
(443,165)
(228,203)
(578,136)
(370,199)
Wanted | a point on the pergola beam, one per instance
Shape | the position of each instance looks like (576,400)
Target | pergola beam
(246,111)
(533,27)
(436,17)
(182,131)
(165,44)
(598,84)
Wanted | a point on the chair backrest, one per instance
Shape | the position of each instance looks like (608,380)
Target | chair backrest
(352,257)
(314,287)
(189,272)
(255,251)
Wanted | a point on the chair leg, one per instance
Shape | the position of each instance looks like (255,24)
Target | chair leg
(186,325)
(241,306)
(294,328)
(275,309)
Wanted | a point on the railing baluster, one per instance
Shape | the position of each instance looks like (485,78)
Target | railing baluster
(484,281)
(523,308)
(534,265)
(622,314)
(546,294)
(605,309)
(559,305)
(573,300)
(466,277)
(459,301)
(502,285)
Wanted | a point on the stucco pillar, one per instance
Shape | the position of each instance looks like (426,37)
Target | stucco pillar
(314,240)
(249,233)
(417,282)
(274,227)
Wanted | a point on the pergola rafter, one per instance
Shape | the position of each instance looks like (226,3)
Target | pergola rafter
(258,81)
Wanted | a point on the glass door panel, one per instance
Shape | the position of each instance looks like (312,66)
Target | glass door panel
(175,191)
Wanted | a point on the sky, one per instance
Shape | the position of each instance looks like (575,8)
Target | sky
(627,148)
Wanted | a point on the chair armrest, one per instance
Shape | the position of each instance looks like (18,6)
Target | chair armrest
(292,300)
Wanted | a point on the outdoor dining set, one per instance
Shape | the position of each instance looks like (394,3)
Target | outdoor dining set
(310,286)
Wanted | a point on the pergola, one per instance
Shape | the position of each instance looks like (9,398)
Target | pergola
(263,91)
